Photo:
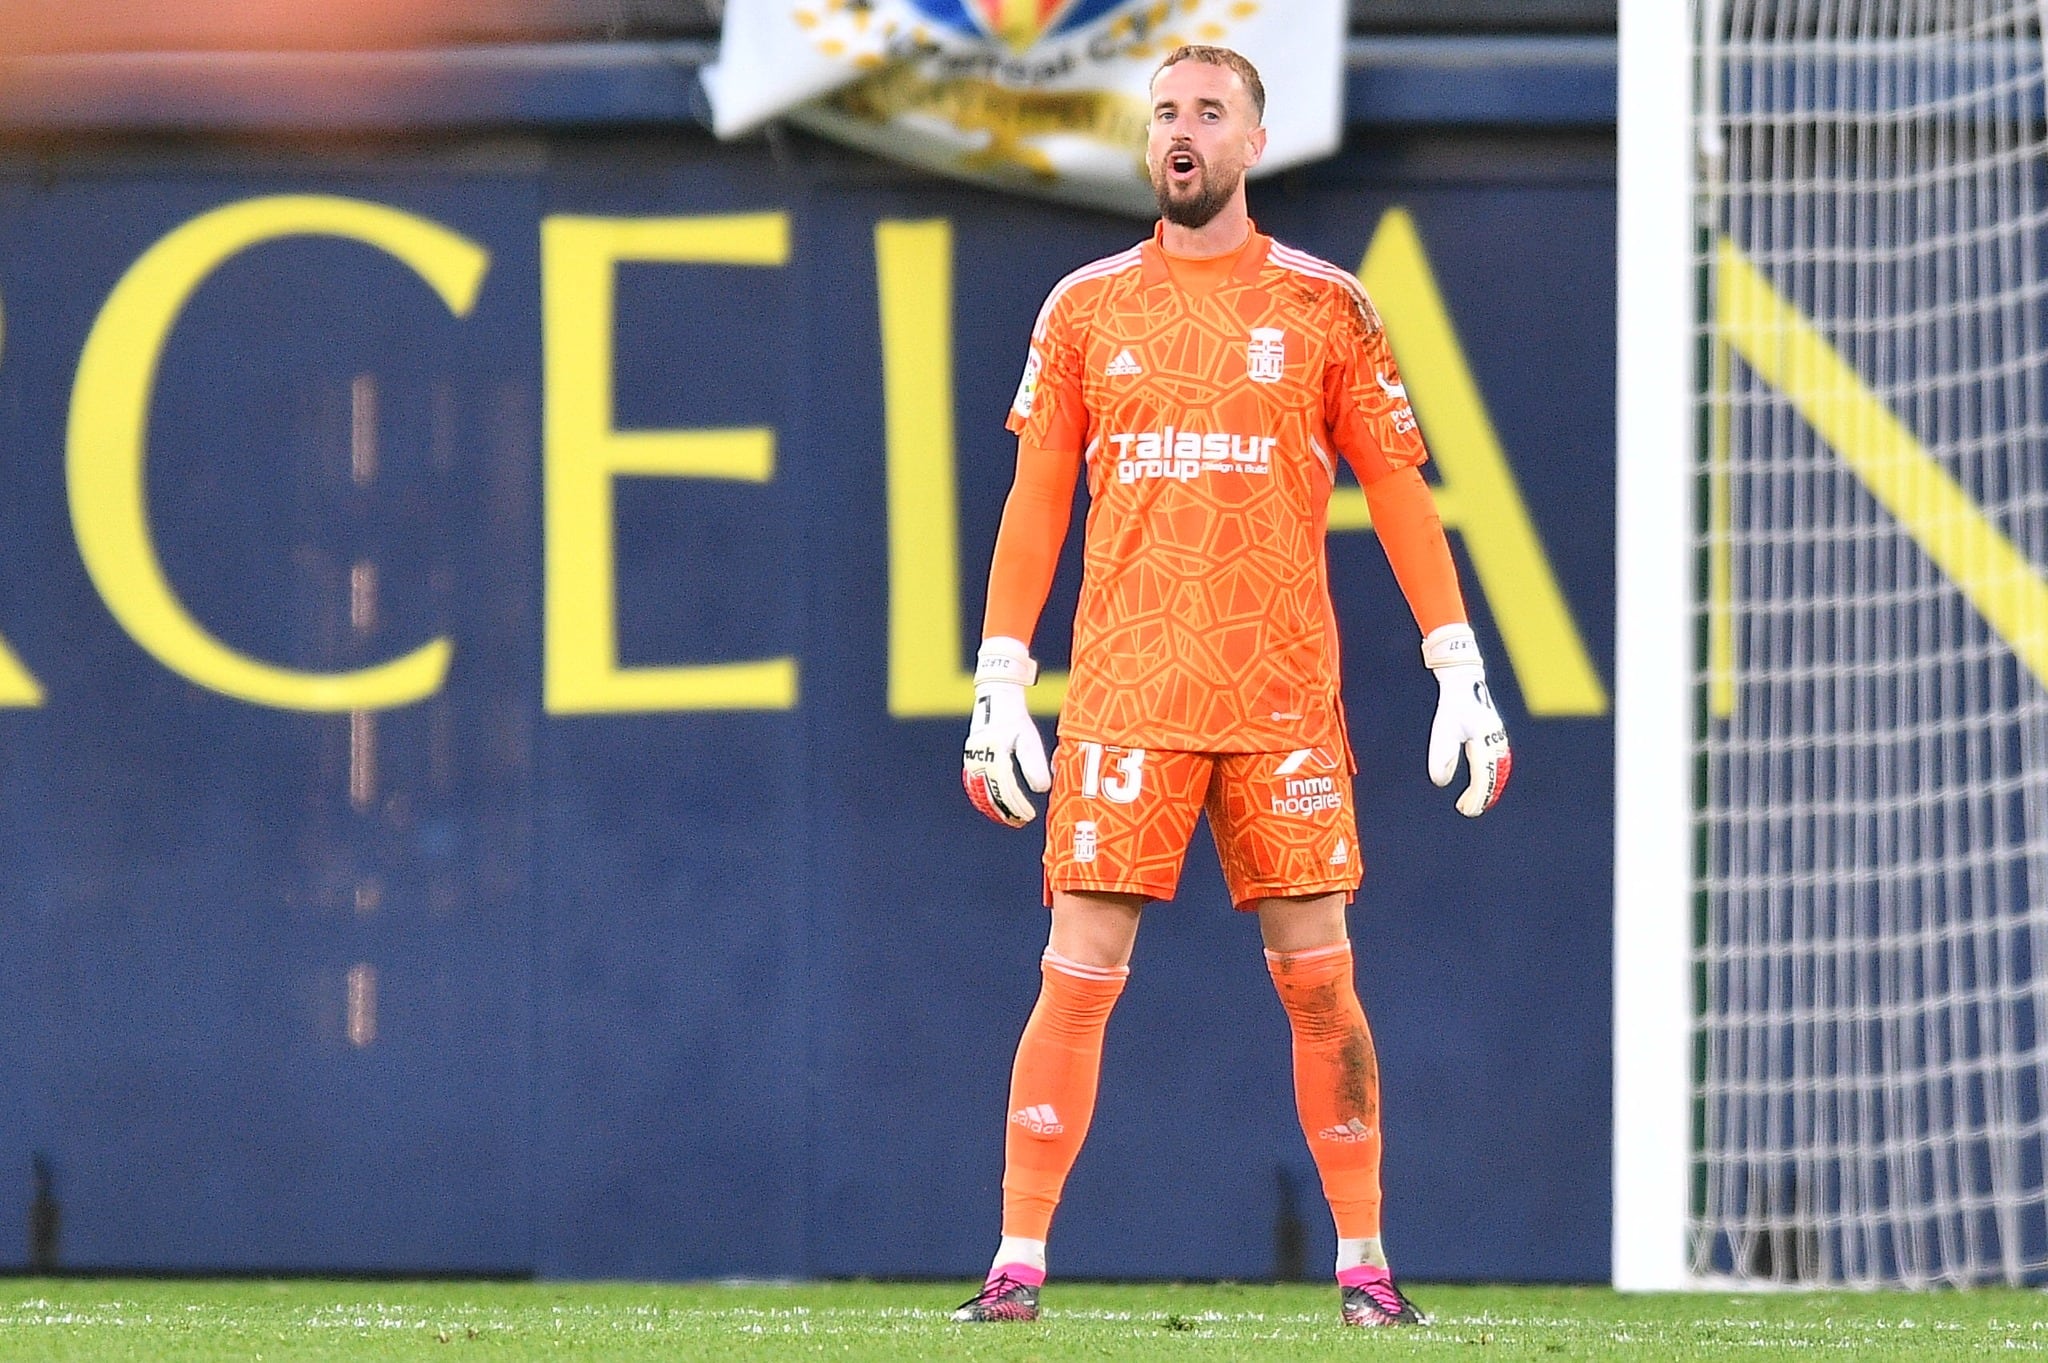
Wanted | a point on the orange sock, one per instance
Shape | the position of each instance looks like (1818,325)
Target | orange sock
(1336,1080)
(1052,1088)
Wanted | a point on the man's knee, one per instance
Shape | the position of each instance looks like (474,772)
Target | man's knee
(1095,929)
(1302,922)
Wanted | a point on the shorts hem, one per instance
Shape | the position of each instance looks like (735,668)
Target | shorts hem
(1242,902)
(1075,886)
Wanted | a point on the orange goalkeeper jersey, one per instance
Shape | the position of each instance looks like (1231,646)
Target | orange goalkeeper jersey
(1210,421)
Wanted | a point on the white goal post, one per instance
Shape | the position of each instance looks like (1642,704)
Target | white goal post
(1831,860)
(1653,1014)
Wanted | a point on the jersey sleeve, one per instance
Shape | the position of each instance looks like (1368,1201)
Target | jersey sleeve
(1049,411)
(1405,518)
(1028,542)
(1365,403)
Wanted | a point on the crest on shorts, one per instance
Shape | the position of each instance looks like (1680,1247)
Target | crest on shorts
(1265,355)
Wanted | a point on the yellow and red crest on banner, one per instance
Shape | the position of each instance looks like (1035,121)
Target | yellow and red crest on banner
(1020,23)
(1046,96)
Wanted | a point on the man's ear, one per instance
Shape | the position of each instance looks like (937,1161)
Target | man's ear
(1255,146)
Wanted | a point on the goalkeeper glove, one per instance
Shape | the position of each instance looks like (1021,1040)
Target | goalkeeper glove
(1465,717)
(1001,737)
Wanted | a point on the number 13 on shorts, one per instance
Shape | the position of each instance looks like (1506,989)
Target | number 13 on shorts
(1120,820)
(1126,778)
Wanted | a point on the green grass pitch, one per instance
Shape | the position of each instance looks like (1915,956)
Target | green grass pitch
(114,1321)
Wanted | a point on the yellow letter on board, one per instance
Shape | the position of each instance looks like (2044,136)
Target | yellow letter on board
(108,442)
(583,455)
(1478,496)
(17,687)
(914,272)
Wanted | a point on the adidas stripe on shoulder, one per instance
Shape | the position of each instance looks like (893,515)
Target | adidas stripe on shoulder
(1315,267)
(1301,262)
(1096,269)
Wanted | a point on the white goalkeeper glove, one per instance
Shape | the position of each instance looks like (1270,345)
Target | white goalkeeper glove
(1465,718)
(1001,737)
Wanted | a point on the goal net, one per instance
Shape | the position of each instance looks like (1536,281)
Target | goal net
(1870,754)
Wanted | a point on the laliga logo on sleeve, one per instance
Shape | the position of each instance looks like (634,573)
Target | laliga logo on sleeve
(1027,389)
(1265,355)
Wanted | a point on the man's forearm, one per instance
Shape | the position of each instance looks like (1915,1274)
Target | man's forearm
(1027,552)
(1404,516)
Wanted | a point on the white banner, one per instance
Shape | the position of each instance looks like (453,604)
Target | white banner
(1045,96)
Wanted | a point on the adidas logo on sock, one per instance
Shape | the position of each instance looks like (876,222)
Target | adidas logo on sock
(1124,364)
(1350,1133)
(1039,1119)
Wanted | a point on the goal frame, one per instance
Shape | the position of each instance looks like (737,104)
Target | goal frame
(1655,437)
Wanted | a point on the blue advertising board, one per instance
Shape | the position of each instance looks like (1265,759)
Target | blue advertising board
(483,644)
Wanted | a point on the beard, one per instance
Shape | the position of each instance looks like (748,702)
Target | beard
(1198,209)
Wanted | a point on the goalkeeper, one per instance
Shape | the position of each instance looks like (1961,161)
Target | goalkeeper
(1204,378)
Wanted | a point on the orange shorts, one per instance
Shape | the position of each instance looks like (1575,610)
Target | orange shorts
(1120,818)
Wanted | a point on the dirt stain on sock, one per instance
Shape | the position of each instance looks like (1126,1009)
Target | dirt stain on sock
(1360,1070)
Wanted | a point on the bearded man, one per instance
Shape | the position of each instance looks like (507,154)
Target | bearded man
(1206,379)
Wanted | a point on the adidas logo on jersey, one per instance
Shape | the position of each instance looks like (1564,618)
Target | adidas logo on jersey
(1342,856)
(1124,365)
(1039,1119)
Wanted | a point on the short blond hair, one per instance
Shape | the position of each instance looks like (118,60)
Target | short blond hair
(1229,61)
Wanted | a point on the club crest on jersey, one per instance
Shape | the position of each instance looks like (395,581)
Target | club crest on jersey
(1265,355)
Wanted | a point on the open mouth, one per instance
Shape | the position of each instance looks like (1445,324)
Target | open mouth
(1182,164)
